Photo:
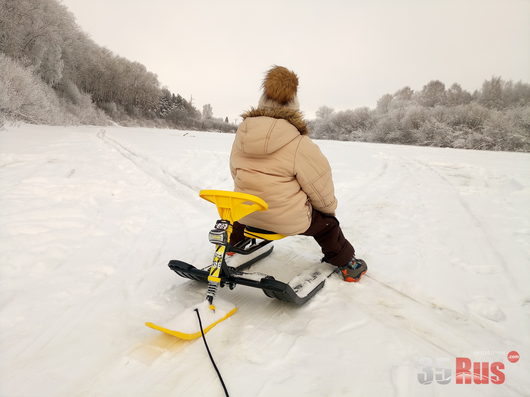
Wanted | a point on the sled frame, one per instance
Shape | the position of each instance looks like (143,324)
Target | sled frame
(231,206)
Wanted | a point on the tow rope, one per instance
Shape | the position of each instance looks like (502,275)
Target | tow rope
(210,354)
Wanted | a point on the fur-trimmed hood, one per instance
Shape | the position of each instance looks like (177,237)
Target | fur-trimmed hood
(294,117)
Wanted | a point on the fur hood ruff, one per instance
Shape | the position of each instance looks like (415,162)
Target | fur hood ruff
(292,116)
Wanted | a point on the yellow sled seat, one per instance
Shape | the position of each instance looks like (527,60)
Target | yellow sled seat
(232,206)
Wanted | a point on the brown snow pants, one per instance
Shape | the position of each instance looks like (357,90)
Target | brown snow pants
(325,229)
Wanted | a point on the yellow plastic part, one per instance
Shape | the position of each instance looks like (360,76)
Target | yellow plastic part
(186,336)
(264,236)
(232,206)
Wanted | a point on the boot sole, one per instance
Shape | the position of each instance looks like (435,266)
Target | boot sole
(355,280)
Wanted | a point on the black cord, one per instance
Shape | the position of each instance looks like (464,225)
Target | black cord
(210,354)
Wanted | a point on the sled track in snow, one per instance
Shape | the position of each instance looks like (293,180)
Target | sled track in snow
(390,311)
(474,219)
(452,313)
(149,167)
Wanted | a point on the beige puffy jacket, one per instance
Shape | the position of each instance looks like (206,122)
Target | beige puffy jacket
(272,158)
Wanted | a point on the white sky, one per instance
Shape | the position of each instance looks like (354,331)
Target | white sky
(347,54)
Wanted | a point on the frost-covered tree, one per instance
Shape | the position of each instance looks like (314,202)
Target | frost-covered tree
(492,93)
(383,104)
(519,94)
(415,116)
(404,94)
(324,112)
(457,96)
(432,94)
(207,112)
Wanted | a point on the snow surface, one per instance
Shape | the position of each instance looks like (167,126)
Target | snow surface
(90,217)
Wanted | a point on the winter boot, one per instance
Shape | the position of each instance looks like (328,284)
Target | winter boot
(353,270)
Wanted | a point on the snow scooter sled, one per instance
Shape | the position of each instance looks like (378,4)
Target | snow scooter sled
(257,244)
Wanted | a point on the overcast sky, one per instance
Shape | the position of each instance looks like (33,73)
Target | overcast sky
(347,54)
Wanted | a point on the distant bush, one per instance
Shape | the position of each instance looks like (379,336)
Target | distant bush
(216,125)
(497,117)
(24,96)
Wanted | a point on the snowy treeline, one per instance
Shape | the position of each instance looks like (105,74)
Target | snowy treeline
(53,73)
(496,117)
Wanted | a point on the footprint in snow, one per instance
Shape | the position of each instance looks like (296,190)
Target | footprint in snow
(487,308)
(481,268)
(526,305)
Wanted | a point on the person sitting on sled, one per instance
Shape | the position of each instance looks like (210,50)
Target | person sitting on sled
(273,158)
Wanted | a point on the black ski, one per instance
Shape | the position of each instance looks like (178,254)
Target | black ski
(271,287)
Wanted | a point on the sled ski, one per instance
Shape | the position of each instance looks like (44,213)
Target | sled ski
(271,287)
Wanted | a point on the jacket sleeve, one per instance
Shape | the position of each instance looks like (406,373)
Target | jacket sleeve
(232,167)
(313,173)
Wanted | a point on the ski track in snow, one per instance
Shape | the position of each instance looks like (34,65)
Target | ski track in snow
(147,165)
(475,220)
(91,217)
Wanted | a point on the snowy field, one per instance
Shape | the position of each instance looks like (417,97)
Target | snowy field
(90,216)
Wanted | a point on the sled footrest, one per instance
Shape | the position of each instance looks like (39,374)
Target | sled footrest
(250,262)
